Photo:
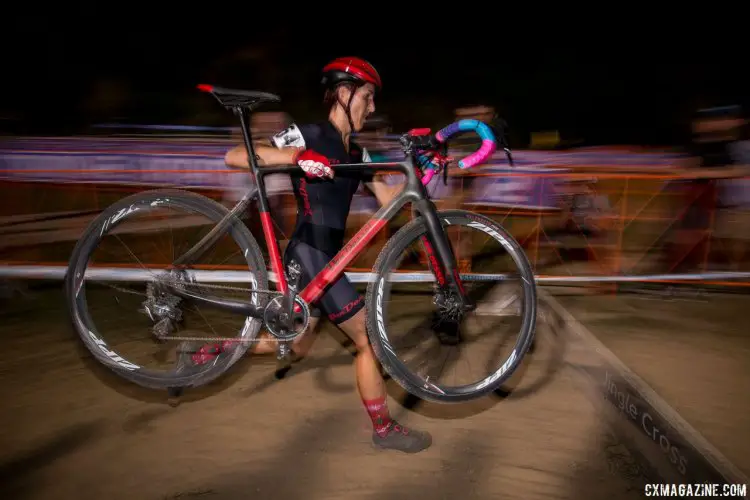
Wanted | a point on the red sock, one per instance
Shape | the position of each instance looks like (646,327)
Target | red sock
(209,351)
(378,411)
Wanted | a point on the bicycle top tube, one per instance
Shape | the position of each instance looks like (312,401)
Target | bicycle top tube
(342,167)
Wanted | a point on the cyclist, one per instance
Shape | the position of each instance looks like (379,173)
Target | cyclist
(323,201)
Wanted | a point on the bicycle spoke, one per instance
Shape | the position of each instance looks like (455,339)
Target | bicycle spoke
(139,325)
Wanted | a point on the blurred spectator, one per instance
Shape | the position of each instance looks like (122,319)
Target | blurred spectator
(482,113)
(278,186)
(374,137)
(266,123)
(715,134)
(732,226)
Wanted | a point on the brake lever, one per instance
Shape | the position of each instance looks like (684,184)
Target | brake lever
(502,138)
(509,156)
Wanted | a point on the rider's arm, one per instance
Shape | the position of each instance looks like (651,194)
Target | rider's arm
(266,155)
(281,149)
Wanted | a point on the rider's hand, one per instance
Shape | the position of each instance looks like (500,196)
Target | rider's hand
(441,160)
(418,140)
(429,146)
(314,164)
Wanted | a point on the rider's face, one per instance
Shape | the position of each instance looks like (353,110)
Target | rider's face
(362,105)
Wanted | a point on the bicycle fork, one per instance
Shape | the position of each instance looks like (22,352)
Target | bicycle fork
(440,255)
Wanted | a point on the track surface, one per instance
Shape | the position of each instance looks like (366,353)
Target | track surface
(691,349)
(69,429)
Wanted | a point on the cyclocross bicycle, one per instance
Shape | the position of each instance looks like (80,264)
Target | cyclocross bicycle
(285,312)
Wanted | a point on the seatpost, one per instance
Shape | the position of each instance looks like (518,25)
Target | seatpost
(244,114)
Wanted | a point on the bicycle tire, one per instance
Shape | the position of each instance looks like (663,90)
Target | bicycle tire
(76,301)
(377,309)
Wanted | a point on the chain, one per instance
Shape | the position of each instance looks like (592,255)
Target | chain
(221,339)
(187,283)
(218,287)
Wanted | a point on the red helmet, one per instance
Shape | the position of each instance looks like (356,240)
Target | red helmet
(350,69)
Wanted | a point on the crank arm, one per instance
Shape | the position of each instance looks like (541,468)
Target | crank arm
(294,273)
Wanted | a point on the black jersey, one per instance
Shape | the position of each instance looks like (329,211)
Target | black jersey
(323,204)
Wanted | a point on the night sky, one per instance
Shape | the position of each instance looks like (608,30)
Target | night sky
(635,87)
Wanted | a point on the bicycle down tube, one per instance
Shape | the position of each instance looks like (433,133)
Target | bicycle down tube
(440,254)
(413,192)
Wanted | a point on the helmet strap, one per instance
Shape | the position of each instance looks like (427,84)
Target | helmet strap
(348,107)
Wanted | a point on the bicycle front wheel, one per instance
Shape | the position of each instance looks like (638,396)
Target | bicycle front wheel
(120,281)
(406,307)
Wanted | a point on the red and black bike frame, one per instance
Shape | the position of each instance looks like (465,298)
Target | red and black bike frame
(439,253)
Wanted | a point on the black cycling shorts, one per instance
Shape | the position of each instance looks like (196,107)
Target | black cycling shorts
(341,300)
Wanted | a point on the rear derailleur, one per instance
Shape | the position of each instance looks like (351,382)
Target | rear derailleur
(162,307)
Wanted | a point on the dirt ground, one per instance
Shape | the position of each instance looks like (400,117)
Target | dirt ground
(692,349)
(70,429)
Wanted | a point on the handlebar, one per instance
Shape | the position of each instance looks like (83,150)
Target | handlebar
(489,145)
(483,131)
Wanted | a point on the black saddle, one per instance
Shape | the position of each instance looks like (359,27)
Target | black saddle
(232,98)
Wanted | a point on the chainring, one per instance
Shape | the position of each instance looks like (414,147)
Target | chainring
(274,318)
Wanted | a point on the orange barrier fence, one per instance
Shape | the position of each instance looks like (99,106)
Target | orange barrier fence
(602,225)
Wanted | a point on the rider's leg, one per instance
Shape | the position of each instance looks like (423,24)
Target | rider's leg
(344,306)
(387,433)
(301,345)
(369,379)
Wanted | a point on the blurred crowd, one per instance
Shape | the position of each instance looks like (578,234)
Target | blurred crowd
(717,198)
(714,200)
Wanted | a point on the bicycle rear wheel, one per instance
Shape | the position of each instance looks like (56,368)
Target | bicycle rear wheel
(388,317)
(120,355)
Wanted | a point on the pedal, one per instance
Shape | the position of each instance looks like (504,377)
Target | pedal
(284,352)
(283,360)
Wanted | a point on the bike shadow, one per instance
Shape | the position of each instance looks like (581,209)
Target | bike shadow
(20,475)
(343,355)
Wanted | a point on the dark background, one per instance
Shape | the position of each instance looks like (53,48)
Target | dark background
(66,70)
